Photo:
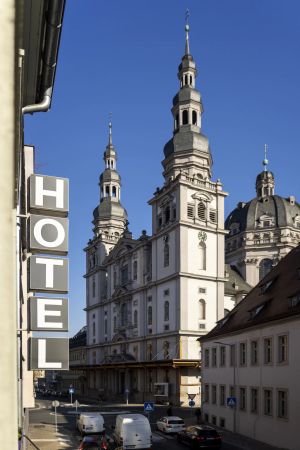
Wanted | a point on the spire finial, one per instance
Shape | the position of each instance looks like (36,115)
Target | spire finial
(265,161)
(187,29)
(110,129)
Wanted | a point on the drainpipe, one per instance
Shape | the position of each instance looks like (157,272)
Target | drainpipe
(43,106)
(54,17)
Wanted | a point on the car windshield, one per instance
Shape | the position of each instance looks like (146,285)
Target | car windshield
(207,433)
(176,422)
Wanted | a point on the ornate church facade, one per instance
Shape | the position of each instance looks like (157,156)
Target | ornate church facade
(150,299)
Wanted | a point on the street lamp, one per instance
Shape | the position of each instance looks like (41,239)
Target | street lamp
(234,386)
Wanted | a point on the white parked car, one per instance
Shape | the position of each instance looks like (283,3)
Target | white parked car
(132,431)
(89,423)
(170,424)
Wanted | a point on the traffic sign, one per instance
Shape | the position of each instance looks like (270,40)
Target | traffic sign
(55,403)
(71,391)
(148,406)
(191,403)
(231,401)
(191,396)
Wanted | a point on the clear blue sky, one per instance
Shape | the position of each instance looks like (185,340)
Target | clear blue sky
(123,57)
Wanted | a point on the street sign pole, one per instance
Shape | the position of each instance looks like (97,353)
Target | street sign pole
(55,419)
(71,396)
(55,403)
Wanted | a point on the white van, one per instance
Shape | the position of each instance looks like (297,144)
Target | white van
(90,422)
(132,431)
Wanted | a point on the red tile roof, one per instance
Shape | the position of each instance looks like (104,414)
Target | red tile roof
(269,300)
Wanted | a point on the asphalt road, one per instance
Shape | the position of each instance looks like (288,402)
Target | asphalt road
(66,418)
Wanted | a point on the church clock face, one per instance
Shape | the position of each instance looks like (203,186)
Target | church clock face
(202,236)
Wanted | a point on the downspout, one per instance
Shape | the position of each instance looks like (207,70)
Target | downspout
(43,106)
(54,18)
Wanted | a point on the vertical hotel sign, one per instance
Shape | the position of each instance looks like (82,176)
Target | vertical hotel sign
(48,271)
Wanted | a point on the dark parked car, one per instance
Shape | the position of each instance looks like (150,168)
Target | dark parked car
(200,436)
(94,443)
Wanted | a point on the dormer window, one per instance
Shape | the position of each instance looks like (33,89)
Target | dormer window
(255,311)
(266,221)
(267,286)
(294,301)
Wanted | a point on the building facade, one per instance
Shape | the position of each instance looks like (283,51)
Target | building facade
(262,231)
(251,361)
(29,42)
(149,299)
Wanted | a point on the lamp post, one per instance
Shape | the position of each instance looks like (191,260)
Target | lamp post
(234,378)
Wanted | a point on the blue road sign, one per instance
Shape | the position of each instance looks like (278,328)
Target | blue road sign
(191,403)
(71,391)
(148,406)
(231,401)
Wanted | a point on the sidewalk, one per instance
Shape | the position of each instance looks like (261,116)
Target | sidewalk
(45,437)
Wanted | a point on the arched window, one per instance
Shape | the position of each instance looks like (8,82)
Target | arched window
(185,117)
(135,318)
(201,211)
(166,311)
(114,191)
(191,80)
(166,254)
(194,118)
(264,267)
(134,270)
(202,256)
(107,191)
(112,164)
(150,352)
(94,287)
(149,315)
(167,214)
(123,314)
(185,79)
(202,309)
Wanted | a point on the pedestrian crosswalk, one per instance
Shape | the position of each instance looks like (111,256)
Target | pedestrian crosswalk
(158,436)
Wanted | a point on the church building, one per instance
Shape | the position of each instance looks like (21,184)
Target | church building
(149,299)
(263,230)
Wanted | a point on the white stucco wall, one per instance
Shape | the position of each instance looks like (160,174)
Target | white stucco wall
(270,429)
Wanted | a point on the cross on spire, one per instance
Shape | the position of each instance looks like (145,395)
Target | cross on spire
(187,29)
(110,129)
(265,161)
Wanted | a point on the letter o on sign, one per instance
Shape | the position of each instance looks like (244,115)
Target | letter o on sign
(37,231)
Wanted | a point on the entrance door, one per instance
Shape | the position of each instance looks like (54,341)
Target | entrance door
(122,383)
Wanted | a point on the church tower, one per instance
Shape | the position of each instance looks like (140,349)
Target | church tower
(188,232)
(110,223)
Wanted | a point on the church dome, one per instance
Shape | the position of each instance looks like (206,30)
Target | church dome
(268,211)
(109,175)
(108,209)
